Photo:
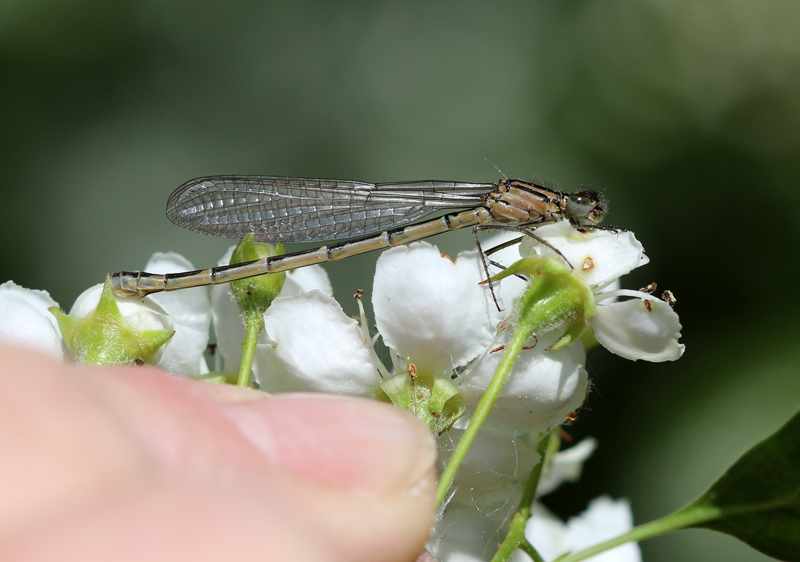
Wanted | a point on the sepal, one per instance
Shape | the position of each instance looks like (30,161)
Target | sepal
(104,336)
(433,399)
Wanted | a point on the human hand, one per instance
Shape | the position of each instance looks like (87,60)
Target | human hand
(134,464)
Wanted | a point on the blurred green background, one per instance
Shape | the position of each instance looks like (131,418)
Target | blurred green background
(687,113)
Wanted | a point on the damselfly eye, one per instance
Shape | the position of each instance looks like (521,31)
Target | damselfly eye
(579,205)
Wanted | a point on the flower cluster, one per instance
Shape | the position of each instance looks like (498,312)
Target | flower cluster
(446,332)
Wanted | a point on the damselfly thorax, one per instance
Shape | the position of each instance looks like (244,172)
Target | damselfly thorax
(366,216)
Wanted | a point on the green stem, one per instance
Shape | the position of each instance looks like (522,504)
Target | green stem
(253,324)
(680,520)
(528,549)
(515,538)
(482,411)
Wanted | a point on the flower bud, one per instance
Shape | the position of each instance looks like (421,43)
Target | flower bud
(555,298)
(255,294)
(104,336)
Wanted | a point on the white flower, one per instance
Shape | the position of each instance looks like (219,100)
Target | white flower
(313,346)
(604,519)
(26,322)
(25,319)
(431,310)
(543,387)
(565,466)
(190,313)
(488,488)
(433,313)
(643,328)
(228,324)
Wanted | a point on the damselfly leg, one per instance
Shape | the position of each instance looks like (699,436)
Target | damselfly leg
(526,230)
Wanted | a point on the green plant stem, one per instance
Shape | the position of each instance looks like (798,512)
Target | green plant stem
(217,377)
(515,538)
(680,520)
(530,551)
(482,411)
(253,323)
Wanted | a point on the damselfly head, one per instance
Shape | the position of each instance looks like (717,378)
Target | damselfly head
(585,207)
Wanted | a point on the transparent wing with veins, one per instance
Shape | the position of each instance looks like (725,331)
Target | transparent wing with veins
(284,209)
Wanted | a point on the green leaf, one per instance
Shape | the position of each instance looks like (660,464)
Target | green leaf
(758,499)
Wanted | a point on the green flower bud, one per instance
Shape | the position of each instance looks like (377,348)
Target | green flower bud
(255,294)
(555,298)
(104,336)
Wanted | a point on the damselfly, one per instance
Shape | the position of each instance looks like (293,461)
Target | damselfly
(367,216)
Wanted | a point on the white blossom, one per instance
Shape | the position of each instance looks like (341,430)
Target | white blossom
(642,328)
(604,519)
(430,309)
(565,466)
(26,321)
(313,346)
(488,488)
(435,314)
(543,387)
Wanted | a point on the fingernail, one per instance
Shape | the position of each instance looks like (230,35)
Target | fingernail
(348,443)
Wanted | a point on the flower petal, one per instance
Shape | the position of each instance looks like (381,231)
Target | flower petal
(190,311)
(25,320)
(315,347)
(470,532)
(543,387)
(603,519)
(228,327)
(547,533)
(140,313)
(307,279)
(431,310)
(599,256)
(644,328)
(493,463)
(565,466)
(228,324)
